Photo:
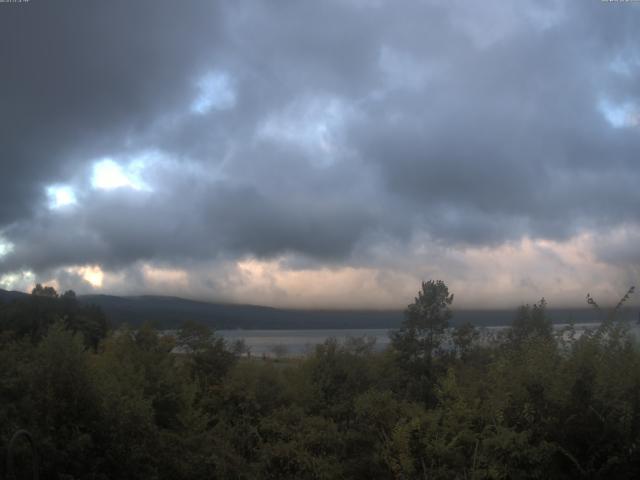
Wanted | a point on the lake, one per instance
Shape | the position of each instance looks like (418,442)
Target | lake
(299,342)
(295,343)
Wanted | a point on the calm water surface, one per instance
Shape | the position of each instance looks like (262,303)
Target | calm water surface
(301,342)
(298,342)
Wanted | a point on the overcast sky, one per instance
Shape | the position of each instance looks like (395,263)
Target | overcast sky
(321,153)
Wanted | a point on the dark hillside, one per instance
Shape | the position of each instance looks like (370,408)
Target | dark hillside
(7,296)
(170,312)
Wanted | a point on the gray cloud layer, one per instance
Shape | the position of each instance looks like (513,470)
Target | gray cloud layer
(350,124)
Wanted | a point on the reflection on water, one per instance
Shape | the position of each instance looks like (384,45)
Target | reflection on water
(298,342)
(301,342)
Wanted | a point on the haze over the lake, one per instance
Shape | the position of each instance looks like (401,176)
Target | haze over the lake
(321,153)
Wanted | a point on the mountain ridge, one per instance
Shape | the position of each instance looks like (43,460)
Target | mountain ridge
(171,311)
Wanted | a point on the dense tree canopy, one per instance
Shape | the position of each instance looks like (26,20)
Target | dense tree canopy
(532,402)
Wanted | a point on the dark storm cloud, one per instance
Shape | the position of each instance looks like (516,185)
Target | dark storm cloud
(341,123)
(511,131)
(192,219)
(79,78)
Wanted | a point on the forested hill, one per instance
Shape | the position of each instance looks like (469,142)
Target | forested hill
(7,296)
(170,312)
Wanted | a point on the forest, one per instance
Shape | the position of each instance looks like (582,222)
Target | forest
(439,403)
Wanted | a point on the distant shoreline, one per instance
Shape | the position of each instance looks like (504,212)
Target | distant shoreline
(170,312)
